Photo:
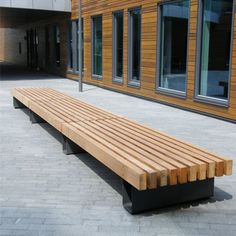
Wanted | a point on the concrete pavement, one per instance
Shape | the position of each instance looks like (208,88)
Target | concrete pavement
(44,192)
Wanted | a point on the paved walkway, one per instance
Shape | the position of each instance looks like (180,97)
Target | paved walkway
(44,192)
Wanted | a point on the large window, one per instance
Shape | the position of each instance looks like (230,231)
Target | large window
(97,46)
(173,41)
(215,45)
(77,45)
(70,48)
(118,42)
(73,54)
(57,45)
(134,47)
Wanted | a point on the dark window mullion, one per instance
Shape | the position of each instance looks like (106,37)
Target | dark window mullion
(134,49)
(97,51)
(118,34)
(74,36)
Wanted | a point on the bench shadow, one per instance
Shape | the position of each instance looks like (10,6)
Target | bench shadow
(102,171)
(26,111)
(11,72)
(98,168)
(219,196)
(52,131)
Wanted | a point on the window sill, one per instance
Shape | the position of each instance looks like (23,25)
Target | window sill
(70,71)
(117,80)
(170,92)
(134,84)
(97,77)
(212,101)
(74,72)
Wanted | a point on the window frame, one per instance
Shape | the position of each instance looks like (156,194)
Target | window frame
(75,51)
(166,91)
(197,96)
(55,27)
(131,82)
(76,35)
(115,78)
(94,76)
(69,51)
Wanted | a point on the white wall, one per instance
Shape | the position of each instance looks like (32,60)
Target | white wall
(11,38)
(5,3)
(52,5)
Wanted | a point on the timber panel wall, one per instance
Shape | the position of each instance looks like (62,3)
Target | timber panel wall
(148,61)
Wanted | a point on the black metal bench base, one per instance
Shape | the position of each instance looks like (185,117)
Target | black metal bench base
(17,104)
(135,201)
(69,147)
(35,119)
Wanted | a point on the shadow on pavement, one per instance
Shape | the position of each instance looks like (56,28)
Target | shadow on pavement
(115,181)
(17,72)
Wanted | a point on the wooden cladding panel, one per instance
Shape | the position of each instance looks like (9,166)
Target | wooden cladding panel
(192,43)
(148,54)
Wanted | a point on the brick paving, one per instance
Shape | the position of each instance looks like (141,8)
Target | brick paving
(44,192)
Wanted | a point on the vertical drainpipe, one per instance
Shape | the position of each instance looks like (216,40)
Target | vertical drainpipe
(80,47)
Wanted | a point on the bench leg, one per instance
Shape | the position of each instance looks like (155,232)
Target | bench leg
(17,104)
(69,147)
(35,119)
(135,201)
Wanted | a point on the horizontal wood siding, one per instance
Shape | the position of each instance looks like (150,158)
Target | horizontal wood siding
(148,53)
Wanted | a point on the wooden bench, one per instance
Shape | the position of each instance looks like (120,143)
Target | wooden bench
(157,169)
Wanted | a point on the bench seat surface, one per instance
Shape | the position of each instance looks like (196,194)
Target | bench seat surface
(144,157)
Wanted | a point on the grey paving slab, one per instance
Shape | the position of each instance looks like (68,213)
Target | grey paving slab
(44,192)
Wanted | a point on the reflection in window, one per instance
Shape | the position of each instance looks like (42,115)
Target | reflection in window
(215,48)
(97,45)
(57,45)
(118,30)
(135,45)
(77,45)
(70,57)
(73,62)
(173,45)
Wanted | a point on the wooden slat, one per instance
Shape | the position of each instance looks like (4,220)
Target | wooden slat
(175,156)
(54,94)
(50,117)
(223,165)
(124,168)
(142,156)
(153,143)
(172,165)
(110,157)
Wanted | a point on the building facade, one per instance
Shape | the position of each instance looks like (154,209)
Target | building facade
(178,52)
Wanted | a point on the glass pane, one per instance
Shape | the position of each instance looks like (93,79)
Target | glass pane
(77,45)
(174,41)
(119,44)
(97,45)
(215,48)
(57,45)
(136,43)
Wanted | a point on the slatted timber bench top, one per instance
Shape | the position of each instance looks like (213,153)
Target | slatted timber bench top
(145,158)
